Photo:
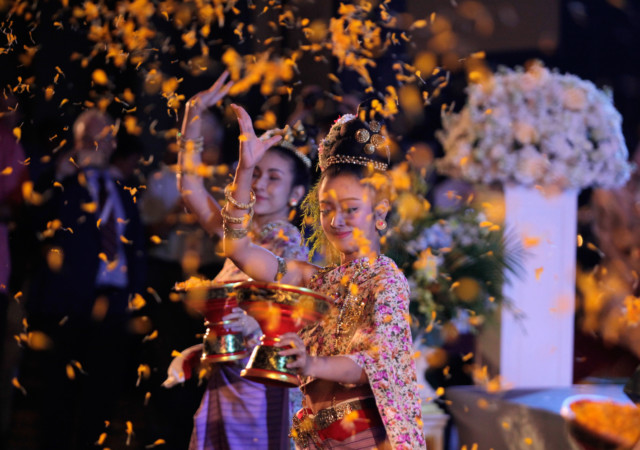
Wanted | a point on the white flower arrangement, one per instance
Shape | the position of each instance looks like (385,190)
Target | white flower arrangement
(536,127)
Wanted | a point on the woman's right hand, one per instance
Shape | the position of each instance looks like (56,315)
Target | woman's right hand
(303,360)
(191,124)
(252,147)
(189,161)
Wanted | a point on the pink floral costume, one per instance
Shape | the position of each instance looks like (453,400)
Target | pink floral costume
(371,328)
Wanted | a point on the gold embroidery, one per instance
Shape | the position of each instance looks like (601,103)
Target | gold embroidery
(349,315)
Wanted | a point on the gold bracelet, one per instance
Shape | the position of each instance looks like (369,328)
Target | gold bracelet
(192,145)
(230,219)
(199,140)
(234,233)
(282,268)
(236,203)
(180,172)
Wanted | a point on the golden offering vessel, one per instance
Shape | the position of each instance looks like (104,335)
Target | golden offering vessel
(279,309)
(215,300)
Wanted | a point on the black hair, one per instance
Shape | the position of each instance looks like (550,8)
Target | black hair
(347,145)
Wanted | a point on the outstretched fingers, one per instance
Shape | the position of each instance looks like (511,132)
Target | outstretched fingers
(273,140)
(212,96)
(208,98)
(293,341)
(220,81)
(244,120)
(233,316)
(296,349)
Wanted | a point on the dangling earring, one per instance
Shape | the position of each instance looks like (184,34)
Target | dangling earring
(293,202)
(381,225)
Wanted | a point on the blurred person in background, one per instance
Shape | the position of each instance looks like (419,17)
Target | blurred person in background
(124,165)
(608,304)
(13,173)
(79,307)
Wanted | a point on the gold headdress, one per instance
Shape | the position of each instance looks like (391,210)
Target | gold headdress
(370,136)
(296,140)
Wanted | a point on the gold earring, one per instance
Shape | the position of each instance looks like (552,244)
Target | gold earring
(381,225)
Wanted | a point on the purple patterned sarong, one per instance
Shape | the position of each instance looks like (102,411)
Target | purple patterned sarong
(236,413)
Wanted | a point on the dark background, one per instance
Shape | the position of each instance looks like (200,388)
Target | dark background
(596,40)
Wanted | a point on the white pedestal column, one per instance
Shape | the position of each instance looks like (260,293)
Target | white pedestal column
(536,349)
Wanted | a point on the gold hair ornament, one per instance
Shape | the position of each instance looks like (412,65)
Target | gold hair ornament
(370,137)
(358,160)
(289,136)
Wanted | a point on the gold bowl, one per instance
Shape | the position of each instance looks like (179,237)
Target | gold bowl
(215,300)
(279,309)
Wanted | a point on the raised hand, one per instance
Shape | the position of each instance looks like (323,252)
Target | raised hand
(191,124)
(190,161)
(252,148)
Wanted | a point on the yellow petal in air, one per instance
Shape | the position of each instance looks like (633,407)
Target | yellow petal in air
(71,374)
(16,384)
(89,207)
(99,76)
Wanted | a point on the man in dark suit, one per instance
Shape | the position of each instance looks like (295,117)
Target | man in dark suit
(93,265)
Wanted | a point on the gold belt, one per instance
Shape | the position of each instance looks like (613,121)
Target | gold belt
(305,430)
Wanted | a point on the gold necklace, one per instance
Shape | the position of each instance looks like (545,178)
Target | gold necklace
(267,228)
(353,306)
(350,312)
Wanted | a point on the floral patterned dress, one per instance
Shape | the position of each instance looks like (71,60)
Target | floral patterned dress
(371,328)
(236,412)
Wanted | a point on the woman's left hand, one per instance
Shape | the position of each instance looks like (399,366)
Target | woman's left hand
(241,322)
(303,359)
(252,147)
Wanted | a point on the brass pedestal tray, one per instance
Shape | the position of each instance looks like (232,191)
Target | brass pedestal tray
(601,423)
(215,300)
(279,309)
